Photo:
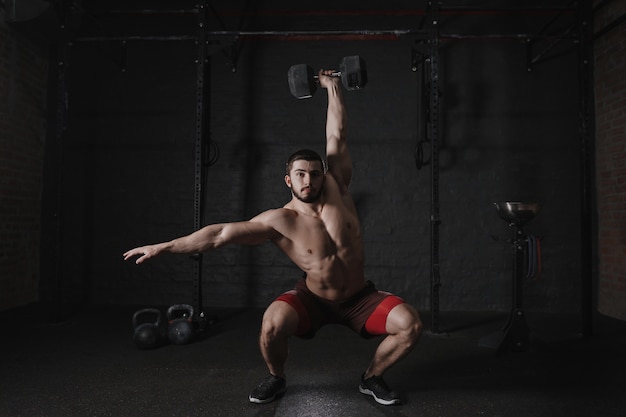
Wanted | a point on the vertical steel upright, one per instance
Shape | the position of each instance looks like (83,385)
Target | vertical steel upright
(516,334)
(51,285)
(433,130)
(202,129)
(585,39)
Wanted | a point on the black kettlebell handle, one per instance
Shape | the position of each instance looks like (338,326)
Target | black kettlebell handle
(152,311)
(179,307)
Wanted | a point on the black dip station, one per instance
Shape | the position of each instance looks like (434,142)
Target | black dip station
(516,335)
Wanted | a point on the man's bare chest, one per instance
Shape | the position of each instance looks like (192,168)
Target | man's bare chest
(328,232)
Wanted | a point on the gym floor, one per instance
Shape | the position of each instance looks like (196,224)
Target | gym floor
(89,366)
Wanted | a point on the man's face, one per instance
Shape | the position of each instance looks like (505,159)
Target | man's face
(306,180)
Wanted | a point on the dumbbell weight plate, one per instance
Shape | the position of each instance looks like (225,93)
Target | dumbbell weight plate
(301,81)
(353,72)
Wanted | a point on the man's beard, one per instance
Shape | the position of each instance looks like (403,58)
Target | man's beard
(311,198)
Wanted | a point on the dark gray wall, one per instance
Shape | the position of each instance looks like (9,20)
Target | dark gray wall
(508,134)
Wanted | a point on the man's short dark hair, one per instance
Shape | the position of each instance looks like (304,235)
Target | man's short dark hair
(306,155)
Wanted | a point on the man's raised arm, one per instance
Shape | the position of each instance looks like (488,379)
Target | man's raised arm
(339,160)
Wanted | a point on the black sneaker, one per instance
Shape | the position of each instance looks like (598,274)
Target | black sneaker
(377,388)
(268,390)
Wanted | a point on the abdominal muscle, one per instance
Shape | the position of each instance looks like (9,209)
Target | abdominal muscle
(336,277)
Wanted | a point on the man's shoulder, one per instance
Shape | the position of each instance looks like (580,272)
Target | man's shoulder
(275,215)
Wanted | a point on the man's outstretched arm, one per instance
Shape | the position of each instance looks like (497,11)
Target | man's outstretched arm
(339,160)
(208,238)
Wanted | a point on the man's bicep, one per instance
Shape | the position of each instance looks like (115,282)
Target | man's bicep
(270,222)
(339,160)
(249,232)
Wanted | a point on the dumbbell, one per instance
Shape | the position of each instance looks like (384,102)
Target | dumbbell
(303,80)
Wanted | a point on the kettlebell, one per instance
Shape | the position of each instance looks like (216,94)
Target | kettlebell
(147,334)
(180,327)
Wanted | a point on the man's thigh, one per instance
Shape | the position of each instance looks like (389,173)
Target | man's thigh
(282,317)
(401,318)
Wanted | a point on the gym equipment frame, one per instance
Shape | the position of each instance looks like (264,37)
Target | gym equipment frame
(431,37)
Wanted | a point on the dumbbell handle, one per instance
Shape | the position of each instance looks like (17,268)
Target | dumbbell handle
(333,74)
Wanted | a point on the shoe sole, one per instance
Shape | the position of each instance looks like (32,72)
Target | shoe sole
(268,400)
(378,400)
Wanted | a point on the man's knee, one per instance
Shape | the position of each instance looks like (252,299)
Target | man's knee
(416,328)
(405,321)
(280,319)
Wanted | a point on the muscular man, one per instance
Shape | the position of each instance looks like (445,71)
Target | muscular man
(319,231)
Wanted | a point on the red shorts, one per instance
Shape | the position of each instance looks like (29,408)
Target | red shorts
(365,313)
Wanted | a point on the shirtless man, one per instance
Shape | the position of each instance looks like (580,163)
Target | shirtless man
(319,231)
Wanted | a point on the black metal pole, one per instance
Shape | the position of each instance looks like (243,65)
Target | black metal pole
(516,332)
(435,280)
(586,169)
(51,264)
(202,120)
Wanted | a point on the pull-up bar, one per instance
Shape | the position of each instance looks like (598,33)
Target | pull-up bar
(443,10)
(356,35)
(347,35)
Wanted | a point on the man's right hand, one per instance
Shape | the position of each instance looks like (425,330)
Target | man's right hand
(144,252)
(326,78)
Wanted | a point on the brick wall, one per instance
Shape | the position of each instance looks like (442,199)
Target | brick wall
(23,77)
(610,98)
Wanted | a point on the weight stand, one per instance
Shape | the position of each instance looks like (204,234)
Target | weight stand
(516,332)
(515,336)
